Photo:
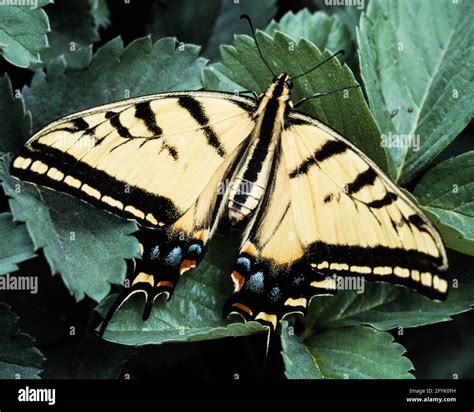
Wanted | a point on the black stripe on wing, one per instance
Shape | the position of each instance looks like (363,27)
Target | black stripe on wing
(328,149)
(363,179)
(198,113)
(162,208)
(144,112)
(388,199)
(373,256)
(417,270)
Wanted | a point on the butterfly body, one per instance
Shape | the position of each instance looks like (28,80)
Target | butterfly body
(250,183)
(315,207)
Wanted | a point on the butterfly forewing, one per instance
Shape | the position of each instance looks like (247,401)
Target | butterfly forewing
(130,157)
(352,218)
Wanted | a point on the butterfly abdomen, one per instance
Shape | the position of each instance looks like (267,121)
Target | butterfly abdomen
(249,184)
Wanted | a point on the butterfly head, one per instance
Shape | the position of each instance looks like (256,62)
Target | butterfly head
(280,87)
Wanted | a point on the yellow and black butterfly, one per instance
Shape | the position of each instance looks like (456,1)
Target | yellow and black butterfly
(313,205)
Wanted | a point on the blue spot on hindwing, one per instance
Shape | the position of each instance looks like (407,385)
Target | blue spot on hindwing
(275,294)
(155,252)
(174,257)
(255,282)
(244,262)
(195,248)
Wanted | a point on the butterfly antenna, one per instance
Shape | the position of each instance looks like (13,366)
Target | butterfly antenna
(314,96)
(246,17)
(341,52)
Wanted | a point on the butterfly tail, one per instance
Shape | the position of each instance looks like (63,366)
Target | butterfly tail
(116,305)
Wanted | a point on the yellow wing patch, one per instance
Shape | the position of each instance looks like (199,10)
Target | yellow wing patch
(275,236)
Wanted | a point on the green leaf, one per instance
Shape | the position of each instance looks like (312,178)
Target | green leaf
(446,194)
(19,359)
(23,33)
(218,20)
(344,353)
(194,312)
(349,14)
(384,306)
(450,349)
(46,309)
(15,121)
(72,26)
(416,60)
(86,245)
(101,13)
(15,244)
(324,31)
(113,73)
(241,65)
(89,359)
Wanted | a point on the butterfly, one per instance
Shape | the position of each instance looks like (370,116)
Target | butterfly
(314,207)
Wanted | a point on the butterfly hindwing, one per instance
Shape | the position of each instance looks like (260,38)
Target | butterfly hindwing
(130,157)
